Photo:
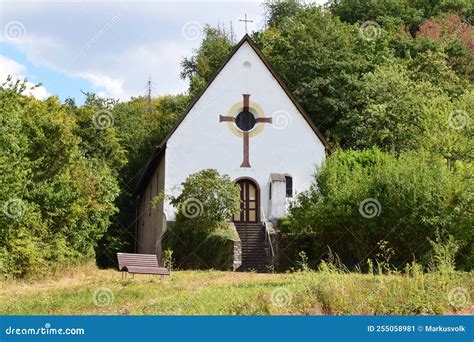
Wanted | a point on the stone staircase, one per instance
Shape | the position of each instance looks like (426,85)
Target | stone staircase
(255,256)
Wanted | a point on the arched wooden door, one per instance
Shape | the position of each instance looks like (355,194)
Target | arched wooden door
(249,201)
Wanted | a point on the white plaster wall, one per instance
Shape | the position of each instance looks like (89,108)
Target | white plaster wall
(278,202)
(201,141)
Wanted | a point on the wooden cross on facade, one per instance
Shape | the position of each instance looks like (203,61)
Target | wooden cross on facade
(245,121)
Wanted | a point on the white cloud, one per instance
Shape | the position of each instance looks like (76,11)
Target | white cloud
(18,71)
(9,66)
(38,92)
(118,74)
(126,75)
(111,87)
(123,44)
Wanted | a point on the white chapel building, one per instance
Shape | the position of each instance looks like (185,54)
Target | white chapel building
(246,124)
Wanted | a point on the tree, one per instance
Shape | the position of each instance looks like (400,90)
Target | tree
(397,13)
(56,196)
(451,133)
(201,66)
(138,131)
(207,200)
(413,106)
(322,60)
(456,36)
(277,11)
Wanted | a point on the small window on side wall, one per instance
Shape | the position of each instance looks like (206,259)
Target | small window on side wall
(289,186)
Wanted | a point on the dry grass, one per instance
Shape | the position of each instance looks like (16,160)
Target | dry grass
(88,290)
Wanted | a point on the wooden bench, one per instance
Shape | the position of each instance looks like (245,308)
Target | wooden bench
(140,263)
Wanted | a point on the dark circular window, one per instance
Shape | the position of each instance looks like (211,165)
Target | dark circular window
(245,120)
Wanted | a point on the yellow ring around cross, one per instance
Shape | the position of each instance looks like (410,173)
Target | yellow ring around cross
(255,109)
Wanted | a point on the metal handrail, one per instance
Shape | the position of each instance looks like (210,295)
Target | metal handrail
(267,232)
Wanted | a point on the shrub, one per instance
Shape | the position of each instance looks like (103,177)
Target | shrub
(283,224)
(207,200)
(363,197)
(444,252)
(201,236)
(194,248)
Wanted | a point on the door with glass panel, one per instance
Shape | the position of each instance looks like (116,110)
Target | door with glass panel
(249,202)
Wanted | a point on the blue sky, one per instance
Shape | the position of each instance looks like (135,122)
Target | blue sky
(109,47)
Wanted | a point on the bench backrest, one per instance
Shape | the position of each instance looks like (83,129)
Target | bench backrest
(130,259)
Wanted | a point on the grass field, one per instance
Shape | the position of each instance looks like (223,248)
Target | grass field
(87,290)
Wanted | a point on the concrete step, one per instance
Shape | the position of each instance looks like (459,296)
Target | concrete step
(252,258)
(254,254)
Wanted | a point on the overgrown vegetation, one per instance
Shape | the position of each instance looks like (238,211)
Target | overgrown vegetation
(390,84)
(140,125)
(201,237)
(68,176)
(395,75)
(207,200)
(57,186)
(330,290)
(362,197)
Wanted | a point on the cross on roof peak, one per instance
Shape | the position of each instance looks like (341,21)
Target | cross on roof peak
(246,21)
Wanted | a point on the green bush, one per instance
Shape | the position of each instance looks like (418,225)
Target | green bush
(56,196)
(201,237)
(283,224)
(207,200)
(291,244)
(363,197)
(194,248)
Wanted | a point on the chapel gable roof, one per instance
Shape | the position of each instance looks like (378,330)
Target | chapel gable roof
(153,161)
